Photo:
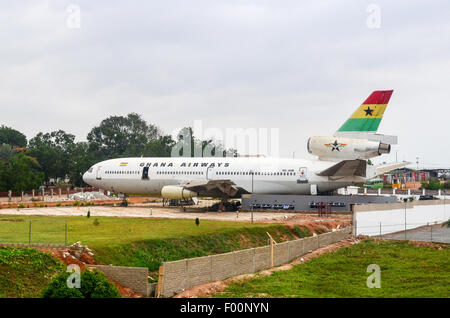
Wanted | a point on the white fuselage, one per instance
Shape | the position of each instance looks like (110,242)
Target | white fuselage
(252,175)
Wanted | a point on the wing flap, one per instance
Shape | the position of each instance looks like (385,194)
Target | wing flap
(346,168)
(213,187)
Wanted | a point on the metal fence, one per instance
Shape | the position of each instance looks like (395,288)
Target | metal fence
(410,231)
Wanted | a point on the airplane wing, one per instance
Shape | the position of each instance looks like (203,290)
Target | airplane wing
(391,166)
(350,168)
(214,188)
(346,168)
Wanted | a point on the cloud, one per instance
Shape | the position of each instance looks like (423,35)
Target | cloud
(302,67)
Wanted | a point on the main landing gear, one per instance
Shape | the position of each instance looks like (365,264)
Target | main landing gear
(124,202)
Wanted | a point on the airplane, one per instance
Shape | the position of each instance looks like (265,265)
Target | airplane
(342,161)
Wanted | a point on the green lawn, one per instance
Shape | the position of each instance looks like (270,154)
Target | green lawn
(406,271)
(24,272)
(142,242)
(46,229)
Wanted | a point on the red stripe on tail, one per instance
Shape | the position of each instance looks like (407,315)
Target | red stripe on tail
(379,97)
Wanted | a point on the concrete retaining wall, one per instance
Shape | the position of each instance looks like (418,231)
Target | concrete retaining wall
(135,278)
(180,275)
(392,217)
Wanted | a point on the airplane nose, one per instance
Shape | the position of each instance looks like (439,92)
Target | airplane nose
(85,179)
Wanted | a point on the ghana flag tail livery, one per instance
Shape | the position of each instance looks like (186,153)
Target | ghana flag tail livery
(367,117)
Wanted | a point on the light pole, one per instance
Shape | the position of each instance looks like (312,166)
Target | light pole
(251,172)
(405,200)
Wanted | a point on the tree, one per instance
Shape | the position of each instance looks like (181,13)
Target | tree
(119,136)
(81,158)
(20,173)
(6,153)
(12,137)
(52,151)
(188,145)
(161,147)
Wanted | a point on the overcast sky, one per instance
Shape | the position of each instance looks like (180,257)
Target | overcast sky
(300,66)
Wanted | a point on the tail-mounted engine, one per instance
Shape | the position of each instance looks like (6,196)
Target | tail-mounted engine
(329,148)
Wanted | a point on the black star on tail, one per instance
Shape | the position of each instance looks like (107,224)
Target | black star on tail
(369,111)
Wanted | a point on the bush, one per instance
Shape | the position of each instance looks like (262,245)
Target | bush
(94,284)
(58,204)
(89,214)
(21,206)
(432,184)
(302,231)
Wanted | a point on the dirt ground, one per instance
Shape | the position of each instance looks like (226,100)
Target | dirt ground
(143,208)
(209,289)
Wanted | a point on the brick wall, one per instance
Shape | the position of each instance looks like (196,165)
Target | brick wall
(180,275)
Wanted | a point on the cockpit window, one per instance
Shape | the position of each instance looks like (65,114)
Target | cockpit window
(91,169)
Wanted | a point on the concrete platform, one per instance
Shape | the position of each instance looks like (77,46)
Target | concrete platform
(301,202)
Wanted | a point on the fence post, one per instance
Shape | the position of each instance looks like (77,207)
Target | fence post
(160,281)
(68,192)
(271,253)
(431,232)
(29,233)
(380,230)
(21,196)
(59,190)
(9,195)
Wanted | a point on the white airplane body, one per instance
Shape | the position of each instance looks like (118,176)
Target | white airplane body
(342,162)
(252,175)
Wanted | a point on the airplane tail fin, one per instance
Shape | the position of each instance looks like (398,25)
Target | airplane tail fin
(367,117)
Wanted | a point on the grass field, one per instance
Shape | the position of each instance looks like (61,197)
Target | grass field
(47,229)
(141,242)
(24,272)
(406,271)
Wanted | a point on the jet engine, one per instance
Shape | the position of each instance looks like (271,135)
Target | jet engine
(329,148)
(177,192)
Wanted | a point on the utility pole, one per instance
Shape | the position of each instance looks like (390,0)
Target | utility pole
(405,200)
(252,173)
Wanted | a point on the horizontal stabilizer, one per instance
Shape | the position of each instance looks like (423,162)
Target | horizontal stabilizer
(346,168)
(391,166)
(387,139)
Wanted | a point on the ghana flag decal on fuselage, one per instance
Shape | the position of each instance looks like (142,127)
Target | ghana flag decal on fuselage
(368,116)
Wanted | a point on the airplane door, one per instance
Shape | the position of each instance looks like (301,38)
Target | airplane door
(302,176)
(145,173)
(209,173)
(99,173)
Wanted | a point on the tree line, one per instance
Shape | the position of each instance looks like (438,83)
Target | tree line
(29,164)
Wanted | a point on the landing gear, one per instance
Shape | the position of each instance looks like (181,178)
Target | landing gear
(225,206)
(124,202)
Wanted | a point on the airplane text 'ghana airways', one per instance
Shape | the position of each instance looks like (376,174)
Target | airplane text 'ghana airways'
(186,164)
